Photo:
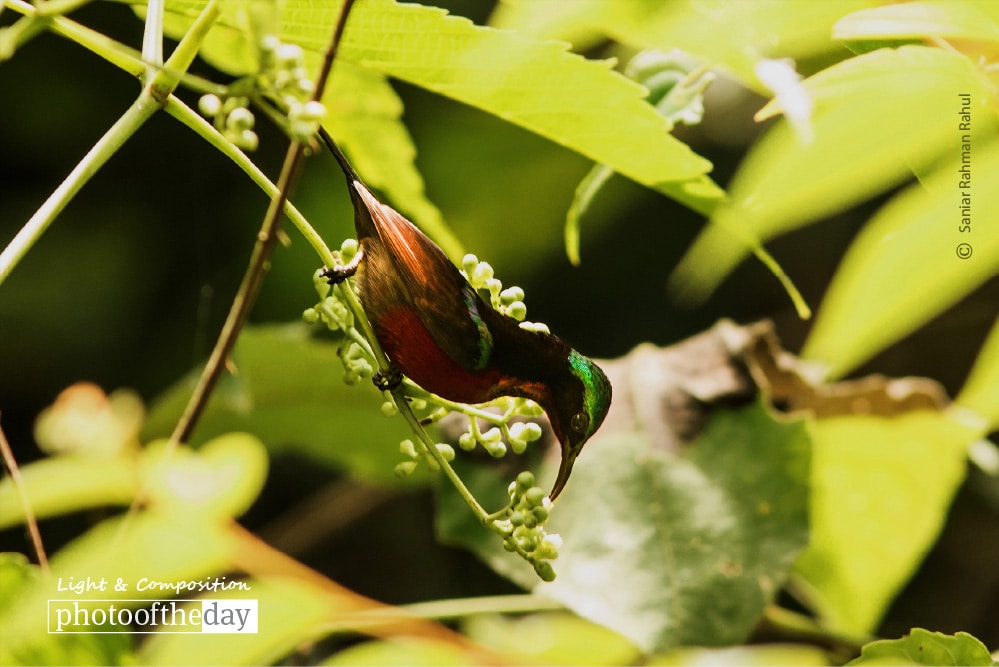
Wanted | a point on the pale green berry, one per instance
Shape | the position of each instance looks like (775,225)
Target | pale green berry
(468,263)
(511,294)
(210,105)
(492,435)
(289,56)
(407,448)
(247,140)
(544,570)
(525,481)
(446,451)
(310,315)
(466,441)
(495,449)
(389,409)
(517,519)
(348,249)
(535,496)
(312,111)
(530,432)
(405,468)
(548,548)
(481,274)
(239,119)
(517,310)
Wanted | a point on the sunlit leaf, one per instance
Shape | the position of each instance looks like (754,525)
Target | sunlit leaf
(908,264)
(64,484)
(290,613)
(918,19)
(554,638)
(146,547)
(981,392)
(881,490)
(403,651)
(540,86)
(221,479)
(922,647)
(784,184)
(764,655)
(732,35)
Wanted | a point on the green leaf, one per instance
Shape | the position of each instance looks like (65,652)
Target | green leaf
(290,613)
(554,638)
(539,86)
(784,183)
(922,647)
(288,391)
(734,36)
(962,20)
(364,115)
(64,484)
(411,651)
(765,655)
(222,479)
(881,490)
(906,266)
(146,545)
(981,391)
(671,550)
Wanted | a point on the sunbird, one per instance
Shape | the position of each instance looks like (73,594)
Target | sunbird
(437,330)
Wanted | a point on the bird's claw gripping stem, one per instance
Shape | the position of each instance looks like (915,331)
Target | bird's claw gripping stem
(386,380)
(337,274)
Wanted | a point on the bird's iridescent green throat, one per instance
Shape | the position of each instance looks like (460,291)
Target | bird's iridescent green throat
(596,391)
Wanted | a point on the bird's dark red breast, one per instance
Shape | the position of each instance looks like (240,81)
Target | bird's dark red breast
(413,350)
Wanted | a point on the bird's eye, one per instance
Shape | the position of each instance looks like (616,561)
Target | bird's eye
(579,422)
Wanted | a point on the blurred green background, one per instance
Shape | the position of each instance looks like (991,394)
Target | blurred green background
(130,285)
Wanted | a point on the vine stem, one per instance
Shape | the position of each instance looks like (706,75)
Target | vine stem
(10,462)
(150,100)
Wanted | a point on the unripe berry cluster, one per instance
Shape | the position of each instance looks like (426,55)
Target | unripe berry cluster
(414,454)
(282,77)
(523,526)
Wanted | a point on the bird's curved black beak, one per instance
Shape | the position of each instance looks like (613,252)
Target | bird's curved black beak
(564,470)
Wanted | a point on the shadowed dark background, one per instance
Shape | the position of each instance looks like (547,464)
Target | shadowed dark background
(130,285)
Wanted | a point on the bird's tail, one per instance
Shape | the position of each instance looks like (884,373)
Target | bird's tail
(345,166)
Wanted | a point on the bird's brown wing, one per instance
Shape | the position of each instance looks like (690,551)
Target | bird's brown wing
(423,278)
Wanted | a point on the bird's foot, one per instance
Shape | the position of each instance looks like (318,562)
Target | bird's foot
(337,274)
(387,380)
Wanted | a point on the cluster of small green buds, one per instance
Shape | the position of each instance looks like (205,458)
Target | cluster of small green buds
(523,526)
(232,117)
(508,301)
(414,455)
(495,439)
(334,313)
(283,74)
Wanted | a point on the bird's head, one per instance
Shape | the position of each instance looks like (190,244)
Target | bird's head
(579,405)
